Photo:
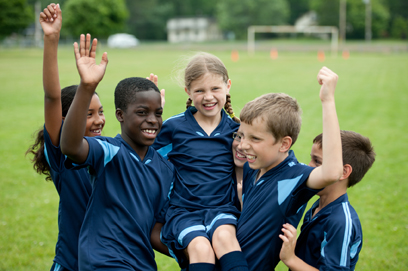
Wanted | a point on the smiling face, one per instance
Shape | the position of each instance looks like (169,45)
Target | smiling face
(238,154)
(96,119)
(142,120)
(262,150)
(208,94)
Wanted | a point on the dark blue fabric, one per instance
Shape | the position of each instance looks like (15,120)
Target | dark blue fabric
(332,239)
(127,200)
(233,261)
(278,197)
(203,196)
(74,189)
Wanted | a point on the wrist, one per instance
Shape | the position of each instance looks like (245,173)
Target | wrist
(88,86)
(52,36)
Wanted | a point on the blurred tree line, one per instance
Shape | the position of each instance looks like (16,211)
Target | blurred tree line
(147,19)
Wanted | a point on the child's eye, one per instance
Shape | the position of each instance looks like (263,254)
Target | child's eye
(101,112)
(142,113)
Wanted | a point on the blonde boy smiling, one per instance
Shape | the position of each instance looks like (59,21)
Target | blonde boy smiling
(276,186)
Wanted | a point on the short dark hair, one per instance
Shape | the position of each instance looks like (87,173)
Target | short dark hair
(358,152)
(67,96)
(126,89)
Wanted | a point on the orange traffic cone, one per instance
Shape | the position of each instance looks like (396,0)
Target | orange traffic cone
(274,53)
(346,54)
(234,56)
(320,56)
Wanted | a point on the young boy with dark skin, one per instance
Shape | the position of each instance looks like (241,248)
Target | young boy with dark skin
(331,237)
(276,186)
(130,180)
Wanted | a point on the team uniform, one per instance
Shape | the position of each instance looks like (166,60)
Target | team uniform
(127,200)
(74,189)
(203,195)
(332,239)
(278,197)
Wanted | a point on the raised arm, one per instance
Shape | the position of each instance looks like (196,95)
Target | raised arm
(332,167)
(72,142)
(51,20)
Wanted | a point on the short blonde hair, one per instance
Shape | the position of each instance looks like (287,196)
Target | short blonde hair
(281,113)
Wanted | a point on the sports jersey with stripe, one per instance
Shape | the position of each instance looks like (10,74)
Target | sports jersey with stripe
(74,189)
(127,199)
(278,197)
(203,195)
(332,239)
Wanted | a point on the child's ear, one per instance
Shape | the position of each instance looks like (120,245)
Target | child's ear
(228,85)
(286,143)
(119,114)
(347,169)
(187,91)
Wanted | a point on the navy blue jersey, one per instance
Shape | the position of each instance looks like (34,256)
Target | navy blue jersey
(332,239)
(128,196)
(204,162)
(278,197)
(74,189)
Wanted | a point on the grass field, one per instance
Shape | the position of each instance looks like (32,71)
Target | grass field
(371,97)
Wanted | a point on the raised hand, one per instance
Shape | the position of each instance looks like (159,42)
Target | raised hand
(51,20)
(328,80)
(90,73)
(289,242)
(155,79)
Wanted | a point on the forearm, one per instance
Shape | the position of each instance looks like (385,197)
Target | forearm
(296,264)
(332,166)
(51,84)
(72,142)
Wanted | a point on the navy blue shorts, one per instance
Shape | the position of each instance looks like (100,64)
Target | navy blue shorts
(183,225)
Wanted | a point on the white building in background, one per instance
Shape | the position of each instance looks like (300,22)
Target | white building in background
(194,29)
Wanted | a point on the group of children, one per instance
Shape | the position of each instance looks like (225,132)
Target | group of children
(213,191)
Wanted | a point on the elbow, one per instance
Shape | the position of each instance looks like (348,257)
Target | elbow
(334,174)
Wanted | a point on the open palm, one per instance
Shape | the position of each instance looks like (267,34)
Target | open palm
(89,71)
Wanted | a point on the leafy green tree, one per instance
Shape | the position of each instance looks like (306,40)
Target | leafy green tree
(328,14)
(15,16)
(399,28)
(236,16)
(297,9)
(100,18)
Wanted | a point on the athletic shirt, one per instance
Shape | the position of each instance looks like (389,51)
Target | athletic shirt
(204,162)
(74,189)
(127,200)
(332,239)
(278,197)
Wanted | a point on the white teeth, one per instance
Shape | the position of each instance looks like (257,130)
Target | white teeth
(209,104)
(240,155)
(96,131)
(251,157)
(149,131)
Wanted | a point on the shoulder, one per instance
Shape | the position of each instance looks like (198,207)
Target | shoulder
(175,119)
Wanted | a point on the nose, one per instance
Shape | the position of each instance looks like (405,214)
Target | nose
(99,119)
(208,96)
(243,145)
(151,118)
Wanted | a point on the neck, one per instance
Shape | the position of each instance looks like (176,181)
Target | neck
(208,124)
(239,173)
(328,195)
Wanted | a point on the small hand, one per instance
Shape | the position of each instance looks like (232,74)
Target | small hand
(289,242)
(89,72)
(155,79)
(328,80)
(51,20)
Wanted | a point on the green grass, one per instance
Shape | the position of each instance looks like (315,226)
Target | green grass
(371,97)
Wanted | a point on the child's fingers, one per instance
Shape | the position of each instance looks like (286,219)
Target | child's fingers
(93,48)
(87,44)
(283,237)
(82,45)
(104,61)
(76,51)
(48,14)
(155,80)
